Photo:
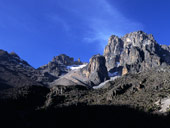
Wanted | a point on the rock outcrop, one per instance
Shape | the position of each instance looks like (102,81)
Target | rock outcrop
(135,52)
(96,70)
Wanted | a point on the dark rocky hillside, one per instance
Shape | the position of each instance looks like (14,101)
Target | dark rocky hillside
(21,107)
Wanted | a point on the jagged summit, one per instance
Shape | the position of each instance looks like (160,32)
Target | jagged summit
(137,33)
(138,38)
(60,65)
(132,37)
(63,59)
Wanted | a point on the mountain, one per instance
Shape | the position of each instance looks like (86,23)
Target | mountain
(130,81)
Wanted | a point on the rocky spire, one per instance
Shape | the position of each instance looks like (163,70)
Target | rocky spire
(113,51)
(97,71)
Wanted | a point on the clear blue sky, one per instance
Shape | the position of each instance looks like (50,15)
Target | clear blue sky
(37,30)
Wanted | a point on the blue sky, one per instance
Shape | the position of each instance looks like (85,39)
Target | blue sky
(38,30)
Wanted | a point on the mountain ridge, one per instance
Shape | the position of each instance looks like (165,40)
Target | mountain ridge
(132,53)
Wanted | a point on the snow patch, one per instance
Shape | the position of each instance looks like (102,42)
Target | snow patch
(112,76)
(146,43)
(105,82)
(76,67)
(117,64)
(128,40)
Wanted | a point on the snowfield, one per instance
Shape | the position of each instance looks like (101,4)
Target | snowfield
(76,67)
(112,76)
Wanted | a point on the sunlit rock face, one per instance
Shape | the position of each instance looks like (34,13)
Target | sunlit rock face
(135,52)
(97,71)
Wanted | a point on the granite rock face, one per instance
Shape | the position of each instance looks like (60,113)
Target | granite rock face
(97,71)
(135,52)
(91,75)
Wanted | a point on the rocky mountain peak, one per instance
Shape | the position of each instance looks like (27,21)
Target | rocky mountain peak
(63,59)
(59,65)
(135,52)
(138,39)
